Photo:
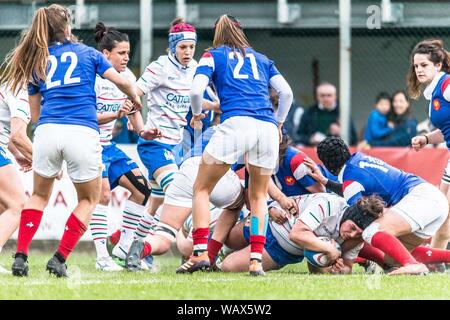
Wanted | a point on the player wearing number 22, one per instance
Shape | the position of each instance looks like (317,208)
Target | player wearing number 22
(249,126)
(61,75)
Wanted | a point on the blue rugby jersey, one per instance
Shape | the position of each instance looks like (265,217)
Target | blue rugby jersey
(241,82)
(292,175)
(68,93)
(439,107)
(363,175)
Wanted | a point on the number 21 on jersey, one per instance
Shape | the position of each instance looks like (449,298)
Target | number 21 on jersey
(55,73)
(237,69)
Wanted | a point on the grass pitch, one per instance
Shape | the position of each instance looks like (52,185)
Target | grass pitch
(292,282)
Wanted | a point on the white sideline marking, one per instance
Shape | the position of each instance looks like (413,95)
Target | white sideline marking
(50,282)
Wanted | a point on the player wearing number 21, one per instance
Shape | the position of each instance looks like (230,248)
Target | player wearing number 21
(249,126)
(60,74)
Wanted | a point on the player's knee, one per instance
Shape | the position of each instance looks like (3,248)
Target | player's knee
(141,191)
(165,178)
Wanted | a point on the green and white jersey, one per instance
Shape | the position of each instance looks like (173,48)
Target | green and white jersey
(109,100)
(322,212)
(167,84)
(12,106)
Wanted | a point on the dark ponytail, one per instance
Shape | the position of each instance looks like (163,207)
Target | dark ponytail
(108,37)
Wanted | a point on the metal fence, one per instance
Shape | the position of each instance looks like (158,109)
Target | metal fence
(307,56)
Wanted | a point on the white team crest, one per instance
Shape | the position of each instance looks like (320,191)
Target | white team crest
(168,155)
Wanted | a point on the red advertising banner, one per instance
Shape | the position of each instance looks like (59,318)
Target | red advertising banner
(428,163)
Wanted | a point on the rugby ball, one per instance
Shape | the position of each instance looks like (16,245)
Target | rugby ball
(319,259)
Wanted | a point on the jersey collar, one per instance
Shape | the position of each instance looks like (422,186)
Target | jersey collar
(428,92)
(174,61)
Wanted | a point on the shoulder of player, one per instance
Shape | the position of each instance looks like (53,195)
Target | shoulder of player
(159,65)
(128,74)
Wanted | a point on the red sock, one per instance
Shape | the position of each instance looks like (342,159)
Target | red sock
(147,250)
(360,260)
(30,219)
(371,253)
(200,238)
(431,255)
(213,250)
(391,246)
(115,237)
(256,247)
(73,231)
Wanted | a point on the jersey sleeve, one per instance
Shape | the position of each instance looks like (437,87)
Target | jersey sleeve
(32,89)
(206,65)
(100,62)
(314,213)
(300,170)
(151,78)
(19,106)
(273,71)
(352,190)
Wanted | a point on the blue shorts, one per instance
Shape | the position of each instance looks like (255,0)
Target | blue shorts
(4,160)
(275,251)
(117,163)
(155,155)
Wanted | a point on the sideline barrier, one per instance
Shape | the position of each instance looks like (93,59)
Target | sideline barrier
(428,163)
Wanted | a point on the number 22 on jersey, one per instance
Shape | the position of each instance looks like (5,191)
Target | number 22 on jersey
(240,63)
(55,73)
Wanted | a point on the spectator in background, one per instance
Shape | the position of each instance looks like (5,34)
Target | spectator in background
(322,119)
(377,124)
(403,122)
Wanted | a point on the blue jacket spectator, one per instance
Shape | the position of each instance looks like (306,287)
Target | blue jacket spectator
(404,123)
(377,125)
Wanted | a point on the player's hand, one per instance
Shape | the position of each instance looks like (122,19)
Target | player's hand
(338,266)
(315,172)
(277,215)
(150,134)
(24,163)
(137,104)
(418,142)
(124,109)
(196,121)
(216,107)
(332,253)
(289,205)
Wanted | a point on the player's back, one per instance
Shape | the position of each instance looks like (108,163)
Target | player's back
(68,93)
(242,82)
(377,177)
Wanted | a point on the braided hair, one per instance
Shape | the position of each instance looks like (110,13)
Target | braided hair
(333,152)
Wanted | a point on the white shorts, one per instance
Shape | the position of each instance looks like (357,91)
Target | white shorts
(425,208)
(180,192)
(446,176)
(245,135)
(79,146)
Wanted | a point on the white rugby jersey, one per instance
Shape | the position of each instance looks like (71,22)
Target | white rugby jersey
(167,84)
(322,212)
(109,100)
(12,107)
